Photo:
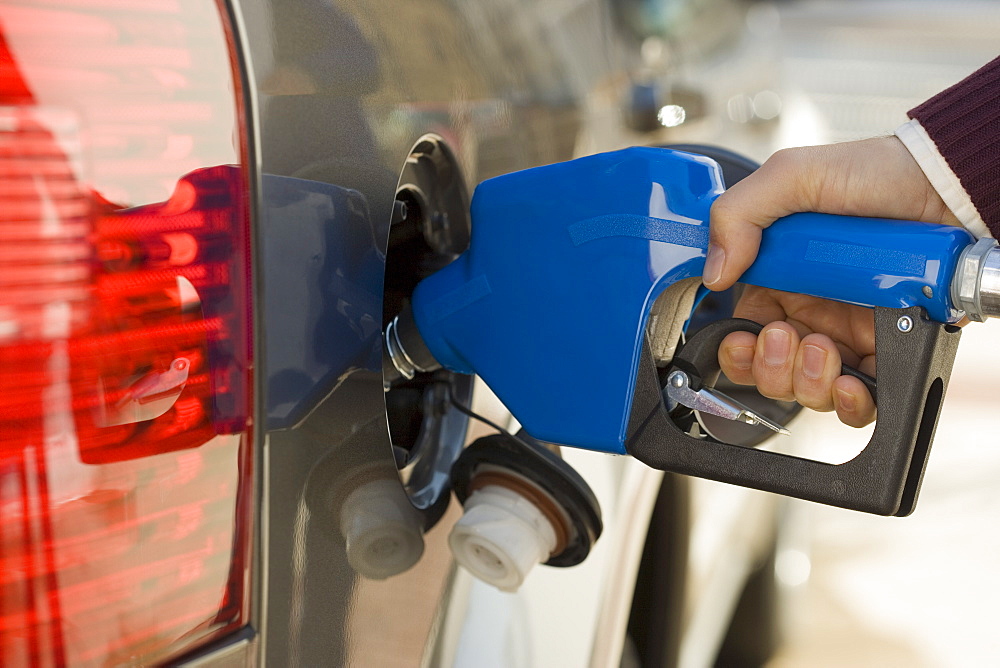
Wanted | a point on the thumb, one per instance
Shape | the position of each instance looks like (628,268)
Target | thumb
(740,214)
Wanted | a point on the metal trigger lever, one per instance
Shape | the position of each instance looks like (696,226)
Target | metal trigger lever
(713,402)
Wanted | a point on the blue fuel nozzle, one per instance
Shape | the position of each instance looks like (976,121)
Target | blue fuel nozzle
(550,304)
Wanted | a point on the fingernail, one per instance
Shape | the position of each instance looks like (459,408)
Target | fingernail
(741,357)
(813,361)
(776,346)
(846,401)
(714,264)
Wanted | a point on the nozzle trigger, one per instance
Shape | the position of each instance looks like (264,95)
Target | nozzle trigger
(711,401)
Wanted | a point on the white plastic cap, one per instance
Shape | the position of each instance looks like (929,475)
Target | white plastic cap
(501,537)
(383,531)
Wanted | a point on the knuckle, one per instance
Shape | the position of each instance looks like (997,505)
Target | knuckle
(778,396)
(858,421)
(860,414)
(740,376)
(814,400)
(813,394)
(724,212)
(776,386)
(783,159)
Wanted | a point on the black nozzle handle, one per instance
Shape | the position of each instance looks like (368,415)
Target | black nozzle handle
(913,365)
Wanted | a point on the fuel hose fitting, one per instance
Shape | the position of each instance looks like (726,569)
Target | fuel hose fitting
(975,288)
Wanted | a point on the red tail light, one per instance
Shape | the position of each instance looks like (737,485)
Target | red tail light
(125,339)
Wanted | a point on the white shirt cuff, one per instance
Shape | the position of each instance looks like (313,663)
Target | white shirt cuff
(936,169)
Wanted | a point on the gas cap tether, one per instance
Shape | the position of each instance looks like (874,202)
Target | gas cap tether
(524,505)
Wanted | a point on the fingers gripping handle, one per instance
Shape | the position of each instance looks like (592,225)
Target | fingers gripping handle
(913,368)
(699,357)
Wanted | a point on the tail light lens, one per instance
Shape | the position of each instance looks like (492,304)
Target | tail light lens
(125,339)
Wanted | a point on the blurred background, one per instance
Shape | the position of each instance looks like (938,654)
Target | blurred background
(870,591)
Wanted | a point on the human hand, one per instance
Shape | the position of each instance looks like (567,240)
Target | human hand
(798,355)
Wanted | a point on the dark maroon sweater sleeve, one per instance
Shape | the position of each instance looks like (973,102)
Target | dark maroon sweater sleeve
(964,123)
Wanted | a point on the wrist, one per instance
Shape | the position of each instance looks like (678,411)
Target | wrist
(939,174)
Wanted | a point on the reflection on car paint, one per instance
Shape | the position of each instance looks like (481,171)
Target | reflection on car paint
(322,275)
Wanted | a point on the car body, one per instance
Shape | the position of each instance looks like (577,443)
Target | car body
(335,112)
